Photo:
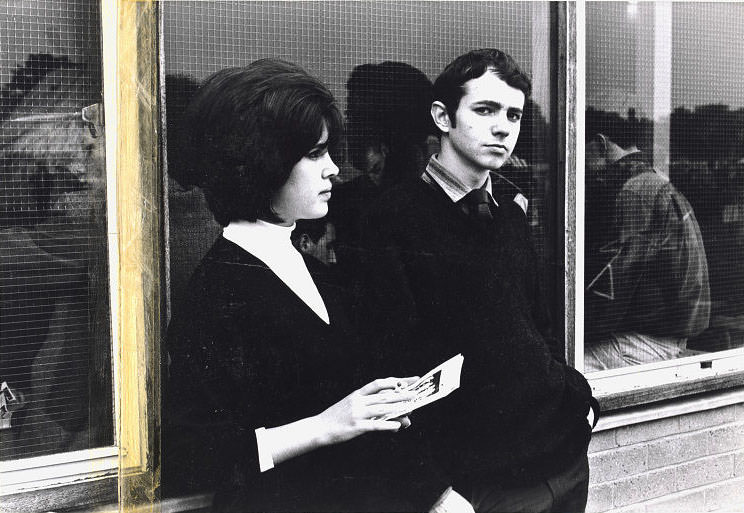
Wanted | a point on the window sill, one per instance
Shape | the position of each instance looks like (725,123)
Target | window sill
(87,494)
(634,386)
(17,476)
(669,408)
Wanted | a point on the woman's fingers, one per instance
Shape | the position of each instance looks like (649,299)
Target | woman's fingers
(387,384)
(380,425)
(384,410)
(388,396)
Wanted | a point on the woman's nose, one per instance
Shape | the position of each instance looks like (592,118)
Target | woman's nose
(330,168)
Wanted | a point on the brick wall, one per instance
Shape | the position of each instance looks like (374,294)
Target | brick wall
(686,463)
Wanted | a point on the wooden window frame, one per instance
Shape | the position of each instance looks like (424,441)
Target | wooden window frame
(127,471)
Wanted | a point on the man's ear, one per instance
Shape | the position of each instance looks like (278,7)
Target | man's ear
(440,116)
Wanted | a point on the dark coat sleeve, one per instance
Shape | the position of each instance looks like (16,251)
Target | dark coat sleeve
(212,426)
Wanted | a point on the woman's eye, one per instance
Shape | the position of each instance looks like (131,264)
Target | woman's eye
(514,117)
(317,154)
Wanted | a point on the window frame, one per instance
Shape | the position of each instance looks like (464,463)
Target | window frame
(651,382)
(129,31)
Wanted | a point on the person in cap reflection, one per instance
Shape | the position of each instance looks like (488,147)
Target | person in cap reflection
(647,288)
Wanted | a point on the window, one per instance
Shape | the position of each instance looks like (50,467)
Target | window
(79,251)
(345,44)
(54,313)
(663,304)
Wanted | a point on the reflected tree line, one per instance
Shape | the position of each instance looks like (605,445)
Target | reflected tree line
(712,133)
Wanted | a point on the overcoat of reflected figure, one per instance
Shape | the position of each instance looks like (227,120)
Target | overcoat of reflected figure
(647,288)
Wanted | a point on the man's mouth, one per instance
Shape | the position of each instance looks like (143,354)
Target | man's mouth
(500,148)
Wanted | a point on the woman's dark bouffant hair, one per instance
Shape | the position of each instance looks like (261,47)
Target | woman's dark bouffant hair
(247,127)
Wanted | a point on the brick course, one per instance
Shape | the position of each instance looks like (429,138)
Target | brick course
(677,449)
(602,441)
(617,463)
(687,463)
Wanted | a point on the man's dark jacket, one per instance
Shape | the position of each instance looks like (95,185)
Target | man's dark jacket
(434,284)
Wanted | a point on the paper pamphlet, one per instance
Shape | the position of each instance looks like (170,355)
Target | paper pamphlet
(435,384)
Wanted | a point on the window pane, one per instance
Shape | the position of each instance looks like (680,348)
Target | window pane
(55,345)
(332,40)
(664,188)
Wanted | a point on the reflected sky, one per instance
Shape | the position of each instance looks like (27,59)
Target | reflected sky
(707,54)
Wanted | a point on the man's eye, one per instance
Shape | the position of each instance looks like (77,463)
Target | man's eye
(483,110)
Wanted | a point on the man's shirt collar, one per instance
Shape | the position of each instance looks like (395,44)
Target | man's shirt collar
(452,186)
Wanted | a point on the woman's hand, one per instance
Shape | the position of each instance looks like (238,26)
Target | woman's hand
(357,413)
(362,410)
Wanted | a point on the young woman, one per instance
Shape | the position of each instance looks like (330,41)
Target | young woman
(260,357)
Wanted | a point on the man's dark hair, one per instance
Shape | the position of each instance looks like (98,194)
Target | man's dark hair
(247,127)
(449,87)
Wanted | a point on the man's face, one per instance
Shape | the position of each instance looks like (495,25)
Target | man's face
(488,120)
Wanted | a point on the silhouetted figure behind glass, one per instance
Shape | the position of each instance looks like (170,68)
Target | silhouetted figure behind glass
(192,230)
(647,287)
(388,123)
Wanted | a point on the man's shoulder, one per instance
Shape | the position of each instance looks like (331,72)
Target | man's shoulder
(653,187)
(645,178)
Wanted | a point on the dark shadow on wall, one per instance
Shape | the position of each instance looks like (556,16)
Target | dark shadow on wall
(192,229)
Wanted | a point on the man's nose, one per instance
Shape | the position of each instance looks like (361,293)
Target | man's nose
(500,126)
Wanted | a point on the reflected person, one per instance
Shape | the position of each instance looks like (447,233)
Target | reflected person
(317,239)
(388,123)
(647,287)
(53,260)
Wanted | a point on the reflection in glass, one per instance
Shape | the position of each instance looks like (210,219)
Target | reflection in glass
(339,41)
(662,85)
(54,310)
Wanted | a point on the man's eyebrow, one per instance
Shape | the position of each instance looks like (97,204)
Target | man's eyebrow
(497,105)
(489,103)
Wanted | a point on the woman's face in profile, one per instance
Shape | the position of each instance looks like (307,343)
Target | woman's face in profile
(306,192)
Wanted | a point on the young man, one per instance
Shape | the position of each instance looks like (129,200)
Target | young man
(450,268)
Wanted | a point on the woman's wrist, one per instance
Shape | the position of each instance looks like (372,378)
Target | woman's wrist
(318,431)
(299,437)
